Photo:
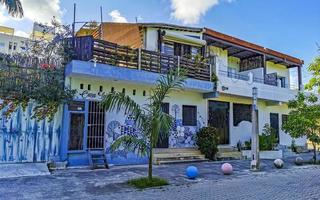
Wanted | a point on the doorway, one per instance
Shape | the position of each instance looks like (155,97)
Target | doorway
(274,124)
(219,119)
(163,140)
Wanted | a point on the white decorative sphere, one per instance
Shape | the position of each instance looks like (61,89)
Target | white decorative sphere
(278,163)
(298,161)
(227,169)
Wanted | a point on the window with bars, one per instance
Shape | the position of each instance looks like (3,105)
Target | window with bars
(96,126)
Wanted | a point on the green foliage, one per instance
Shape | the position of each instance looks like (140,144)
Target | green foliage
(314,69)
(14,7)
(267,139)
(304,118)
(37,75)
(207,141)
(145,182)
(149,118)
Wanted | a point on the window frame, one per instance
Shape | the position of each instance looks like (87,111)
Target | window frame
(192,123)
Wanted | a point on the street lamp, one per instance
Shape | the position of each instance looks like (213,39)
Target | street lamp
(255,160)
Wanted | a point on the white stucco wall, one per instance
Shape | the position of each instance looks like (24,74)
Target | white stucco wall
(243,130)
(175,99)
(151,37)
(6,39)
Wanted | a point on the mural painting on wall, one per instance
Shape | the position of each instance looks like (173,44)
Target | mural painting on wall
(115,129)
(183,136)
(180,136)
(24,139)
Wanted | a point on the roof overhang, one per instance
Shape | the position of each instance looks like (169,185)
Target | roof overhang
(243,49)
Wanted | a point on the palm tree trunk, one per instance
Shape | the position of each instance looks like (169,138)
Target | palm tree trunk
(150,164)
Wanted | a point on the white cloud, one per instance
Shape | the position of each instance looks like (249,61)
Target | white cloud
(117,17)
(3,16)
(190,11)
(42,10)
(22,34)
(35,10)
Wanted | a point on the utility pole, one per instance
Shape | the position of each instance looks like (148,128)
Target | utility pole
(255,160)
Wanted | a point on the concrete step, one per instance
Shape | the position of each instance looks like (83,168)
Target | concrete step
(173,155)
(181,161)
(235,155)
(223,148)
(177,155)
(175,150)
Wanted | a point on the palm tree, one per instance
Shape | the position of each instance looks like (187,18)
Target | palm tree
(14,7)
(149,117)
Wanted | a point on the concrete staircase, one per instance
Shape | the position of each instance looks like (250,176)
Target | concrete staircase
(177,155)
(228,153)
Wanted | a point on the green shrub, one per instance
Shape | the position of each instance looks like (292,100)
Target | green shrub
(207,140)
(144,182)
(268,138)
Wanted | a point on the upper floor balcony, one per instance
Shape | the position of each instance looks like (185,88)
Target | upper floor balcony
(89,49)
(269,86)
(115,62)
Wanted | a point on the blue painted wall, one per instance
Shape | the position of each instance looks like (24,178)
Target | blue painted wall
(23,139)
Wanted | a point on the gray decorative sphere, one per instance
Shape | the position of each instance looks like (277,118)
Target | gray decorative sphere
(298,161)
(278,163)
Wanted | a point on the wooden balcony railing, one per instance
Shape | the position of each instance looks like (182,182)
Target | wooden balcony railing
(89,49)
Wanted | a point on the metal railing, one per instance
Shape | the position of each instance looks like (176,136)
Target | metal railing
(239,76)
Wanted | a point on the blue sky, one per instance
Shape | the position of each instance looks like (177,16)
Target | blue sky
(289,26)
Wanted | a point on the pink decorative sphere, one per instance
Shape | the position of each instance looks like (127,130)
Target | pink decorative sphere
(227,169)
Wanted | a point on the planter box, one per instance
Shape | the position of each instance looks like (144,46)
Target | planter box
(263,154)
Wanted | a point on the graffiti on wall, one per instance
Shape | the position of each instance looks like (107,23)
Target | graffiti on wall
(180,136)
(24,139)
(183,136)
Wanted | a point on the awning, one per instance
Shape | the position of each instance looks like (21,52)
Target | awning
(184,39)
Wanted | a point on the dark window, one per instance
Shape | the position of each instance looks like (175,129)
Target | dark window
(112,89)
(168,48)
(10,45)
(241,112)
(189,115)
(177,49)
(89,87)
(14,46)
(96,120)
(81,86)
(144,93)
(284,119)
(100,88)
(134,92)
(274,123)
(76,131)
(283,81)
(123,90)
(185,50)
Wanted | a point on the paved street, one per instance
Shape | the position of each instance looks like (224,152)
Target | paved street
(288,183)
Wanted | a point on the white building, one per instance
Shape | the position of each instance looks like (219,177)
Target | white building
(150,49)
(10,43)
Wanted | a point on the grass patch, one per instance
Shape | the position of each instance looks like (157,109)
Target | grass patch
(142,183)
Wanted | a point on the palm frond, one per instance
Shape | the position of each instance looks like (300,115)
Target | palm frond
(175,79)
(131,144)
(14,7)
(119,101)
